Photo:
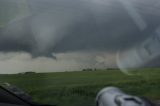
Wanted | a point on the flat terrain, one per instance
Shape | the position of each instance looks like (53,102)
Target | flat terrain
(80,88)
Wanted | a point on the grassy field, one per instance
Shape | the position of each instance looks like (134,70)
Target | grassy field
(80,88)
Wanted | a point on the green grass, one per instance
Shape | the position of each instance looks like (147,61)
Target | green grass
(80,88)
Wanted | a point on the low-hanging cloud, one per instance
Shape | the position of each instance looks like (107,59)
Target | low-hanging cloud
(60,26)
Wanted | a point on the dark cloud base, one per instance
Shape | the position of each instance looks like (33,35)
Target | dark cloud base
(111,30)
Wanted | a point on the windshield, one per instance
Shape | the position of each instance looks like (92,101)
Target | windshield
(63,52)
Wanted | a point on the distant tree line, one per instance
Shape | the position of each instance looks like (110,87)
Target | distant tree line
(89,69)
(28,72)
(94,69)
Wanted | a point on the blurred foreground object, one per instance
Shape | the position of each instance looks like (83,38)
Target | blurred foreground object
(13,10)
(140,55)
(17,91)
(112,96)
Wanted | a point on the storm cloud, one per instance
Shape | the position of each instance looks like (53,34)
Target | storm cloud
(64,26)
(48,27)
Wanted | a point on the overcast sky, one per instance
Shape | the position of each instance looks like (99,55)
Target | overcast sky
(67,35)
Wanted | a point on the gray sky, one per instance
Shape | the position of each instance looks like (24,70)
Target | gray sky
(59,35)
(21,62)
